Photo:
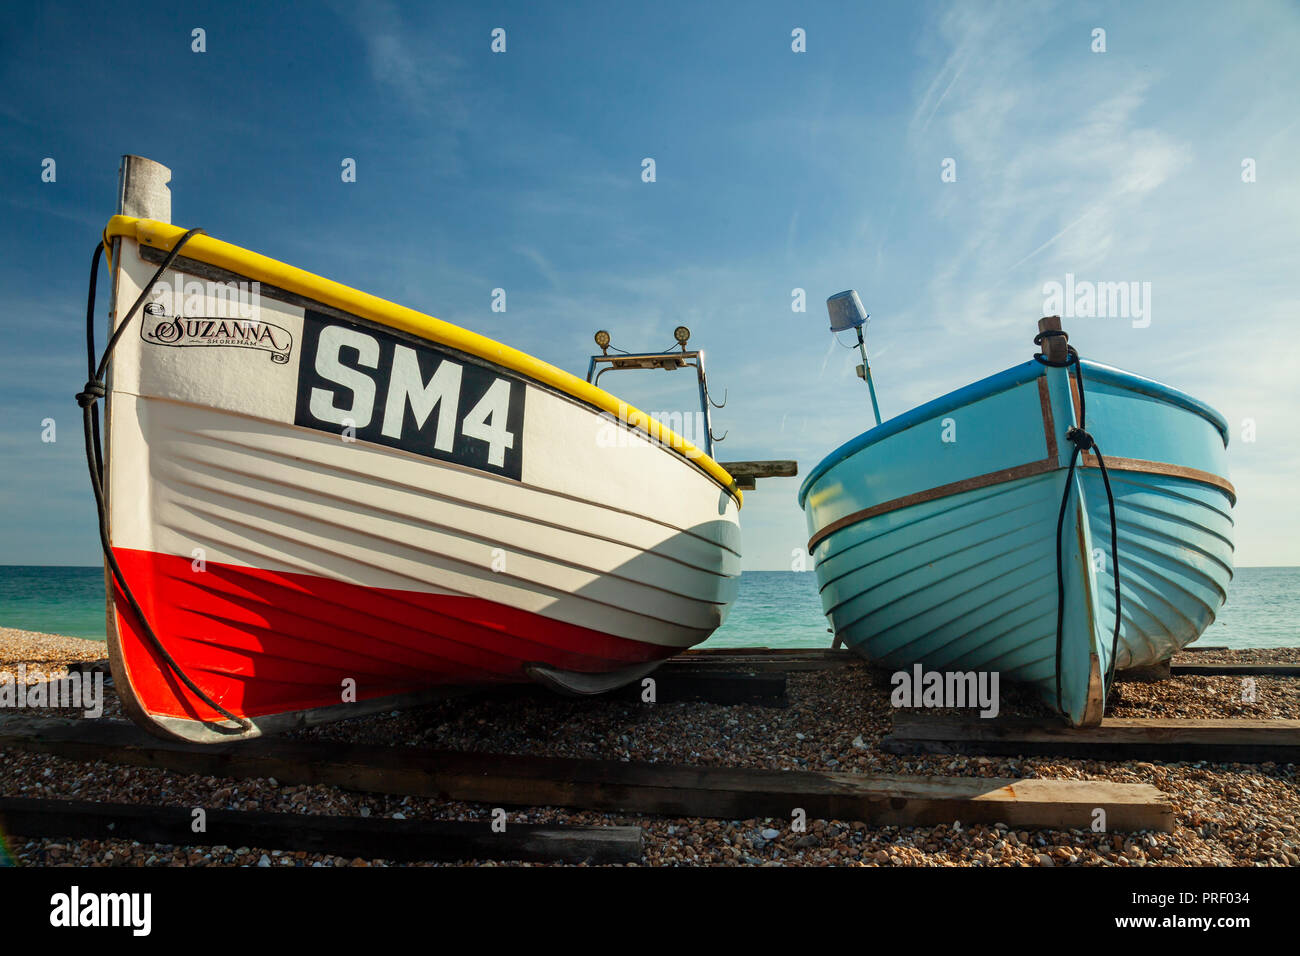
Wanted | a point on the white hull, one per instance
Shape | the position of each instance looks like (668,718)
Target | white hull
(218,459)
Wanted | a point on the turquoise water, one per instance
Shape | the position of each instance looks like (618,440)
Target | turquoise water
(67,601)
(783,609)
(774,608)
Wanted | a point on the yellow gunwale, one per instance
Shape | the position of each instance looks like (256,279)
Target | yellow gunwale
(223,255)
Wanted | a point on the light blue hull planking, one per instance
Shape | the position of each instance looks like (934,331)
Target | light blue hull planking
(943,552)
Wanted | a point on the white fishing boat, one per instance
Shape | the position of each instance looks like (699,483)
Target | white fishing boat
(318,503)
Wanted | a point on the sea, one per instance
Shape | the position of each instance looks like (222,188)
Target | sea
(772,609)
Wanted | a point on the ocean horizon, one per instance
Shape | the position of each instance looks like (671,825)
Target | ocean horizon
(772,609)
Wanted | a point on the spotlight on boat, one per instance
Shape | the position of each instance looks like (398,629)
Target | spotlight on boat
(602,339)
(682,334)
(846,311)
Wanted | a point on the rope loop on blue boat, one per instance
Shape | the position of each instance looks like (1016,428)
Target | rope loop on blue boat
(1081,441)
(1051,334)
(93,391)
(1079,438)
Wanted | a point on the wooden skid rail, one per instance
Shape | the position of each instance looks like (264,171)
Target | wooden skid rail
(718,680)
(1244,670)
(770,653)
(715,685)
(1143,675)
(727,685)
(612,786)
(1176,739)
(367,837)
(677,666)
(760,660)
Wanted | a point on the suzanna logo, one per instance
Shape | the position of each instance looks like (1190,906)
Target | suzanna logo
(74,908)
(185,331)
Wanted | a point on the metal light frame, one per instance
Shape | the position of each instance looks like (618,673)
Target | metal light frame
(670,360)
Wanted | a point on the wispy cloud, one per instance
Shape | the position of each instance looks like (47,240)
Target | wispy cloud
(1048,174)
(421,76)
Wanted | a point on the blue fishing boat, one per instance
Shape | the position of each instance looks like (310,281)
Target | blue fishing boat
(987,530)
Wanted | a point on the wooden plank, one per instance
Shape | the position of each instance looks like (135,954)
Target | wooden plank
(725,684)
(1134,738)
(756,665)
(761,659)
(761,469)
(366,837)
(714,685)
(1210,669)
(1144,675)
(610,785)
(811,653)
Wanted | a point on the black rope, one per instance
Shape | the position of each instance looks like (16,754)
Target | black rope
(1082,441)
(86,398)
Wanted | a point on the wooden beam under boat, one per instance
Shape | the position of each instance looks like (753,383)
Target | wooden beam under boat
(723,680)
(760,660)
(770,653)
(611,785)
(1166,669)
(1212,668)
(754,665)
(727,685)
(367,837)
(1118,738)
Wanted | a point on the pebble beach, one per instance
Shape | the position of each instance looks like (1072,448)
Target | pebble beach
(1226,814)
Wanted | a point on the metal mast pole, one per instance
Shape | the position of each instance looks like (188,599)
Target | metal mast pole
(866,374)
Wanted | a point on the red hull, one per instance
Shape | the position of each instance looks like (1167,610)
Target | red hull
(268,642)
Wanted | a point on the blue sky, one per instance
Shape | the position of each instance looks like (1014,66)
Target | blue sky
(775,170)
